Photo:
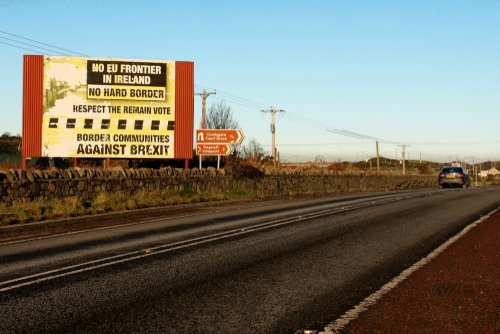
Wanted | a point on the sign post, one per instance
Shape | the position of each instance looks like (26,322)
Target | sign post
(217,141)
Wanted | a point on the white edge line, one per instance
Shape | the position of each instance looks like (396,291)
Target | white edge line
(338,325)
(153,220)
(147,221)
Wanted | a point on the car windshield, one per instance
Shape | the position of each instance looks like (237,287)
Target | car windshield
(452,170)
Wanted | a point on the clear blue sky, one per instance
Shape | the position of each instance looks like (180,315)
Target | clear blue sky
(425,73)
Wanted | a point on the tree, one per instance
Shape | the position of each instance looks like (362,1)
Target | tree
(253,151)
(10,144)
(220,116)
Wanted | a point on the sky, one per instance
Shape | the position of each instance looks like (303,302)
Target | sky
(421,73)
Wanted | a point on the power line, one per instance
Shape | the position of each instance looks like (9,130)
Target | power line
(238,103)
(42,43)
(39,47)
(241,101)
(238,100)
(351,134)
(461,144)
(247,103)
(20,47)
(322,144)
(231,96)
(316,124)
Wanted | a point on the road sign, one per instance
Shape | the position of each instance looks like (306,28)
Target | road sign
(219,136)
(213,149)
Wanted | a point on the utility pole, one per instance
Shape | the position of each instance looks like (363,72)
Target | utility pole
(204,96)
(378,158)
(273,112)
(474,170)
(403,151)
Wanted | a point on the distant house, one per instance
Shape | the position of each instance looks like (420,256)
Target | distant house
(490,172)
(493,171)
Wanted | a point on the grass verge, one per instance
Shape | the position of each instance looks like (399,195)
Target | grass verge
(39,210)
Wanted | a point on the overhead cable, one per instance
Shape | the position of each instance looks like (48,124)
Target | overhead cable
(20,47)
(32,45)
(42,43)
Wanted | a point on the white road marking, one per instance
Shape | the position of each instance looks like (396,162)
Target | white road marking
(267,203)
(338,325)
(134,255)
(147,221)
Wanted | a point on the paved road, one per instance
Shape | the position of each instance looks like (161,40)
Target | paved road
(301,274)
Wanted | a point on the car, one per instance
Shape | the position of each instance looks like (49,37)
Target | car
(454,177)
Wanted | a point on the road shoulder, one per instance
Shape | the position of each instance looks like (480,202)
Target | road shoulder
(456,292)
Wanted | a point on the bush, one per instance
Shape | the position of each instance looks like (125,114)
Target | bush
(424,169)
(240,168)
(337,167)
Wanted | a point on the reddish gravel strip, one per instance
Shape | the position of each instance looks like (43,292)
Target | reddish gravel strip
(456,292)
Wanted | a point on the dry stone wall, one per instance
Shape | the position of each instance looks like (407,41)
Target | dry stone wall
(23,186)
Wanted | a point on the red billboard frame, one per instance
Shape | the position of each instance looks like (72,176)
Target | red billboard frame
(33,108)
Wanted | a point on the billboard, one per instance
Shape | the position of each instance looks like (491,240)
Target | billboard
(109,108)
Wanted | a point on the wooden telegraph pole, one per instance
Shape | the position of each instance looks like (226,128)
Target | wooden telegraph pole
(403,151)
(273,112)
(204,96)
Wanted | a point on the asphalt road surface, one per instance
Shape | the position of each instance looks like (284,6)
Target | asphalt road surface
(270,268)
